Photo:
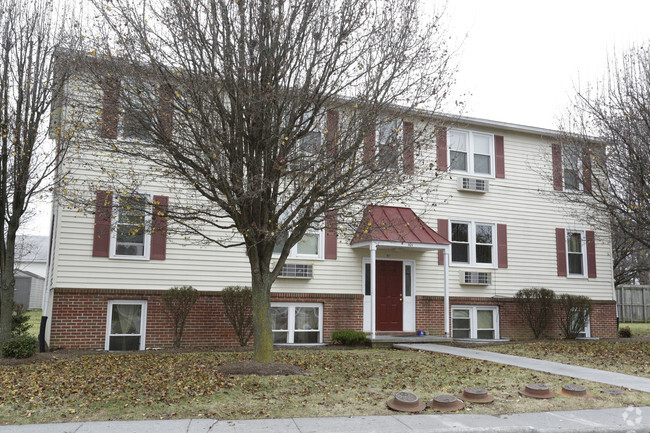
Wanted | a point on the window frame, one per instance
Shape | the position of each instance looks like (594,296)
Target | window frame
(473,319)
(291,317)
(115,217)
(471,232)
(293,252)
(397,152)
(137,105)
(470,171)
(568,165)
(143,321)
(301,154)
(583,252)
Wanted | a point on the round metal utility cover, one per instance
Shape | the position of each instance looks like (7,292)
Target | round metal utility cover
(475,394)
(537,390)
(446,403)
(406,402)
(573,390)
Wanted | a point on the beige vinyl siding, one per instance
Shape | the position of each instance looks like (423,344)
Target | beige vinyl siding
(524,201)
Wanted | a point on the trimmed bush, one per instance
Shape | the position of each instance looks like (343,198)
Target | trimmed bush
(536,307)
(348,337)
(625,332)
(178,302)
(20,347)
(572,314)
(238,303)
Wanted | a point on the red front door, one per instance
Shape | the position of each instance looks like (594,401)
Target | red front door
(389,295)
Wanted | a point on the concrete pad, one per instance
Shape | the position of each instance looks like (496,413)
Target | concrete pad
(591,374)
(443,423)
(149,426)
(68,427)
(255,426)
(357,424)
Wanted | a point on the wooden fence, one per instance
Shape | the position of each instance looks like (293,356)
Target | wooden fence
(633,303)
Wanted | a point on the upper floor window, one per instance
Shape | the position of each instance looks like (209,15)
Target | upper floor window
(137,122)
(571,171)
(309,146)
(472,243)
(130,238)
(311,246)
(471,152)
(389,136)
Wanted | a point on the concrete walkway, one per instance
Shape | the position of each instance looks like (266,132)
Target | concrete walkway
(592,374)
(587,421)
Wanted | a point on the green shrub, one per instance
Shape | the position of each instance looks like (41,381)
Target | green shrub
(536,307)
(625,332)
(20,347)
(348,337)
(573,314)
(19,321)
(238,303)
(178,302)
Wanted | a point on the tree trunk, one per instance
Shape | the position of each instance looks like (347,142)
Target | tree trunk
(262,331)
(7,292)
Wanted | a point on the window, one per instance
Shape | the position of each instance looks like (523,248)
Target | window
(125,328)
(571,170)
(296,323)
(472,243)
(389,136)
(136,122)
(471,152)
(575,248)
(309,247)
(309,146)
(130,239)
(475,322)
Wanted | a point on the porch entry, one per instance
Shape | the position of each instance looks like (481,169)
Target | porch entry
(389,295)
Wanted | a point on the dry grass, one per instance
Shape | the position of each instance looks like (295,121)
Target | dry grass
(638,329)
(620,356)
(337,383)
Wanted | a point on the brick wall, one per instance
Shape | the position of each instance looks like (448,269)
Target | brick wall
(79,317)
(511,323)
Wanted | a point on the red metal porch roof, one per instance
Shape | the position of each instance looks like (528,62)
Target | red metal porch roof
(395,224)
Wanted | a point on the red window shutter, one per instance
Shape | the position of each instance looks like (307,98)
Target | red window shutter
(369,144)
(591,254)
(330,234)
(166,116)
(557,166)
(443,230)
(409,151)
(502,245)
(159,228)
(102,234)
(110,108)
(560,245)
(332,131)
(499,157)
(586,170)
(441,148)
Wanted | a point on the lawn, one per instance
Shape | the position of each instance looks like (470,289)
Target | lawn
(638,329)
(621,356)
(157,385)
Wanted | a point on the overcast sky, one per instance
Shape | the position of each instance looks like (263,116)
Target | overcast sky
(521,60)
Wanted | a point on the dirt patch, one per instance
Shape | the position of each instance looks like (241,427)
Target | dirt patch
(260,368)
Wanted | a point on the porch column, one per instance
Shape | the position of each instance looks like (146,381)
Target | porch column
(373,285)
(445,253)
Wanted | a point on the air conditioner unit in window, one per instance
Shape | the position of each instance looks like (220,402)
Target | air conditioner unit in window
(295,270)
(475,278)
(474,185)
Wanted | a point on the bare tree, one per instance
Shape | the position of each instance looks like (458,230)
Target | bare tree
(606,149)
(29,36)
(631,260)
(275,108)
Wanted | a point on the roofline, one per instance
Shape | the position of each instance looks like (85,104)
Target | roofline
(552,133)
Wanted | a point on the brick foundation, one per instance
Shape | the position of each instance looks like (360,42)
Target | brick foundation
(79,317)
(429,316)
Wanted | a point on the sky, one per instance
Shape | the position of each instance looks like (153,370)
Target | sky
(521,61)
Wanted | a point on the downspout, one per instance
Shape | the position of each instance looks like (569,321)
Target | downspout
(373,283)
(48,281)
(445,253)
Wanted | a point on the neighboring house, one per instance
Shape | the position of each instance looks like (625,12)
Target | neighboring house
(502,229)
(31,268)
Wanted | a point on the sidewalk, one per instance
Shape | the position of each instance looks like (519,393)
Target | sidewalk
(619,420)
(608,377)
